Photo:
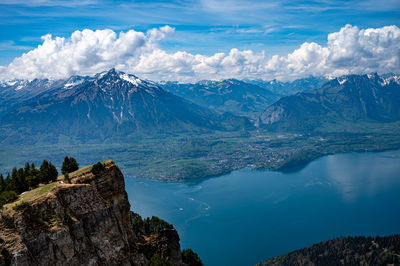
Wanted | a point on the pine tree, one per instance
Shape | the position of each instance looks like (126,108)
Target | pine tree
(18,181)
(44,172)
(65,165)
(69,165)
(53,173)
(7,180)
(27,169)
(33,178)
(74,164)
(11,183)
(2,183)
(34,171)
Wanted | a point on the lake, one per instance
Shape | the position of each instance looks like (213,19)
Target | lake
(249,216)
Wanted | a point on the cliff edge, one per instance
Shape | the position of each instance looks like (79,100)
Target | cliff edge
(85,222)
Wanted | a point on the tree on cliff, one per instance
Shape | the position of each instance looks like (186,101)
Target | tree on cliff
(32,175)
(2,183)
(189,257)
(48,172)
(97,168)
(69,165)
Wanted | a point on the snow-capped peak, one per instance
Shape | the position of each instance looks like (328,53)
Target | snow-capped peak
(130,78)
(372,75)
(111,72)
(391,78)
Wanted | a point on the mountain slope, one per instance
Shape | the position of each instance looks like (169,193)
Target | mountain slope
(229,95)
(345,251)
(348,99)
(14,92)
(110,105)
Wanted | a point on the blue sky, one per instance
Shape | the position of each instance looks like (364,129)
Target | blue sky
(201,27)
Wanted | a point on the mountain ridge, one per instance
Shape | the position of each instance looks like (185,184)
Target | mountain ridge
(351,98)
(110,104)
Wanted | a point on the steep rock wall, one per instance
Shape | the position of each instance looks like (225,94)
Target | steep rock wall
(87,222)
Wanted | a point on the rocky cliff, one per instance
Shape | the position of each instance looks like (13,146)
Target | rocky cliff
(84,222)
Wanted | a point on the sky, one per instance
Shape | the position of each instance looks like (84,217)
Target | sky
(194,40)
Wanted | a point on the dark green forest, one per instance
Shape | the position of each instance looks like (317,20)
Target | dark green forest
(345,251)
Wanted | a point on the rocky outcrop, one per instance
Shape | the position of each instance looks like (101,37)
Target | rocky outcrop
(272,114)
(87,222)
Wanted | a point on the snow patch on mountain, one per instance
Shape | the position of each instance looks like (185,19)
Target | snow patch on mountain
(135,81)
(73,83)
(387,80)
(11,83)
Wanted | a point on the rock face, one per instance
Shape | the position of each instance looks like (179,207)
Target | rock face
(87,222)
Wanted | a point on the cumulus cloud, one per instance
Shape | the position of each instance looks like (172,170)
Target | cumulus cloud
(85,52)
(351,50)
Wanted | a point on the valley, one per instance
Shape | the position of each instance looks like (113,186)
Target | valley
(152,133)
(184,157)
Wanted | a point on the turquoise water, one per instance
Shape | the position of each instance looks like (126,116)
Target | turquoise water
(249,216)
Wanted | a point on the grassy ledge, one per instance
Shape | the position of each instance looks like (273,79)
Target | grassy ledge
(28,196)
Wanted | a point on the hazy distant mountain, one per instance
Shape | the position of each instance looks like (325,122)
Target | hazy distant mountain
(353,98)
(16,91)
(290,87)
(111,104)
(229,95)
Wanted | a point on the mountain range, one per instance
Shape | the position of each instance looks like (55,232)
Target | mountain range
(348,99)
(285,88)
(109,105)
(230,95)
(15,92)
(113,105)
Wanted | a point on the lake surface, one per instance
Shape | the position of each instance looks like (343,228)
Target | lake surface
(249,216)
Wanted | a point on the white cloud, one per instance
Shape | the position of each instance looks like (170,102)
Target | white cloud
(85,52)
(351,50)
